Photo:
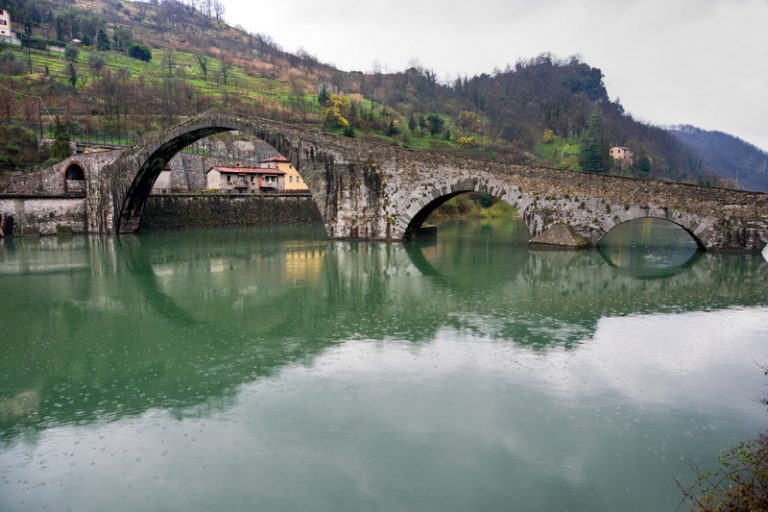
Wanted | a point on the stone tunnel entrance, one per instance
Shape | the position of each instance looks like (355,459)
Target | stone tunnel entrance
(74,178)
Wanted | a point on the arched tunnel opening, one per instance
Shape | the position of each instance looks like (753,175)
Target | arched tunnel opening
(650,246)
(74,178)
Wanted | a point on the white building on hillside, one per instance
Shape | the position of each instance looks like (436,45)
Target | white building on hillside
(6,34)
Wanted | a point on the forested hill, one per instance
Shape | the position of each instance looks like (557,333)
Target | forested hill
(727,156)
(116,70)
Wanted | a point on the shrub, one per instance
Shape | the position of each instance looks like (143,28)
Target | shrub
(739,485)
(466,142)
(140,52)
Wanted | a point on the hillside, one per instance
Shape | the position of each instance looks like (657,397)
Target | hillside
(729,157)
(137,67)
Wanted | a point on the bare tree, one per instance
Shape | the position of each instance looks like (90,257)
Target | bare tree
(218,9)
(207,7)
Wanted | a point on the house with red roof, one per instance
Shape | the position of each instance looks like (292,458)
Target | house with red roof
(245,180)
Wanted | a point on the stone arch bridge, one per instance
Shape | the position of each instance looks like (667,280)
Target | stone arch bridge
(378,192)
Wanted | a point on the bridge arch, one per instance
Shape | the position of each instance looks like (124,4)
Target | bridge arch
(615,222)
(428,198)
(130,177)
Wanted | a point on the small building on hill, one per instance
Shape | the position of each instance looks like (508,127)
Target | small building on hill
(6,34)
(245,180)
(293,181)
(622,155)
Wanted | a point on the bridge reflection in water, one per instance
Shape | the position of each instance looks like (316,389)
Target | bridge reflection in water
(649,248)
(216,292)
(100,332)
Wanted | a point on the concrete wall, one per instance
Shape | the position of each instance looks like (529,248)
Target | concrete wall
(46,216)
(195,210)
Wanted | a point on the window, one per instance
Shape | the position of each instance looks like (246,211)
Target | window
(3,22)
(290,179)
(229,178)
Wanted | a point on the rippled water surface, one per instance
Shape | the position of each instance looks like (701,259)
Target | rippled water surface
(271,369)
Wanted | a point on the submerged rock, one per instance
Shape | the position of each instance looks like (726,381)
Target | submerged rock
(560,235)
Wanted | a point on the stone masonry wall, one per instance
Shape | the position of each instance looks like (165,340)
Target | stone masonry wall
(198,210)
(376,192)
(47,216)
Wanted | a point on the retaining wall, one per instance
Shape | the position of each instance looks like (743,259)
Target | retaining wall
(184,211)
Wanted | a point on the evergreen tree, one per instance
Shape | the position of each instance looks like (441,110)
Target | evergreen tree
(323,96)
(643,164)
(71,52)
(102,41)
(140,52)
(61,148)
(436,123)
(71,70)
(391,128)
(412,123)
(592,156)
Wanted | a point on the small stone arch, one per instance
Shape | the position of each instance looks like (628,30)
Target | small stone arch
(690,231)
(74,177)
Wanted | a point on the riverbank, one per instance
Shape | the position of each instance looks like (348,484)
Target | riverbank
(472,206)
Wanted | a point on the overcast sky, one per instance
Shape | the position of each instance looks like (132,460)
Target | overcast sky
(699,62)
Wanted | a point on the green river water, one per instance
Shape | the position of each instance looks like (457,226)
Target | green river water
(271,369)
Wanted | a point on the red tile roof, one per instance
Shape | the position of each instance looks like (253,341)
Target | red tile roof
(246,170)
(278,159)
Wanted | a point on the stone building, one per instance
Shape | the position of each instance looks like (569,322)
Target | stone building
(622,155)
(293,181)
(245,180)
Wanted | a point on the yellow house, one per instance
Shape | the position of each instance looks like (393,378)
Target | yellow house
(293,181)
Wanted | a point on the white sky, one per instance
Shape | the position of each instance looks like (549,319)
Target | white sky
(699,62)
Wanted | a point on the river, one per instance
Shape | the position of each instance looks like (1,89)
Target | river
(272,369)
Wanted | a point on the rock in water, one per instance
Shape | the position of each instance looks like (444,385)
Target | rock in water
(560,235)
